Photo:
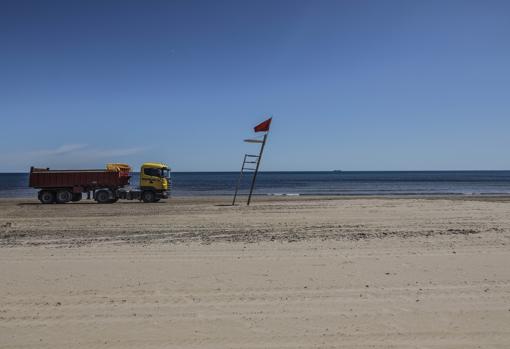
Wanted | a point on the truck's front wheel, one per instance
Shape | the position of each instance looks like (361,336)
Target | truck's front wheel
(148,196)
(46,197)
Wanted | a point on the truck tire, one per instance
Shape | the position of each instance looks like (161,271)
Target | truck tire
(63,196)
(77,197)
(148,196)
(102,197)
(46,196)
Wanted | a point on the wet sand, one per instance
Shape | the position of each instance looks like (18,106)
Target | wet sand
(283,273)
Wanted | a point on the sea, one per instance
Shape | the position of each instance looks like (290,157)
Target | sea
(379,183)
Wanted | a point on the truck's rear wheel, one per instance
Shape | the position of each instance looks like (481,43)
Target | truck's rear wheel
(77,197)
(63,196)
(102,197)
(148,196)
(46,196)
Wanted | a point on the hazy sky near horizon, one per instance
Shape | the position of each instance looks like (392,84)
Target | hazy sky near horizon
(352,85)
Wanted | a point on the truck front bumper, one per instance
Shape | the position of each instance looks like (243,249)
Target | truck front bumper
(163,194)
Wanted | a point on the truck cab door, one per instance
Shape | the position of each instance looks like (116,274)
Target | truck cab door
(150,178)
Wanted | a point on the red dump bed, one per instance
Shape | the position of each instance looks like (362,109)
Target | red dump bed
(83,179)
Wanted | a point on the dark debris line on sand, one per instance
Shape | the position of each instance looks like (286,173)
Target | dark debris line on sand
(17,238)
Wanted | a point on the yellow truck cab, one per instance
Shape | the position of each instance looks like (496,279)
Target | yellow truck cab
(154,181)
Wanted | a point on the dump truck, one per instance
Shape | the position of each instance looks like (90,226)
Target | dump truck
(104,186)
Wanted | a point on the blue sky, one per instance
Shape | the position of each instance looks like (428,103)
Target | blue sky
(353,85)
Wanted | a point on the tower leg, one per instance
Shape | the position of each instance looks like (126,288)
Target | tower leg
(256,170)
(239,182)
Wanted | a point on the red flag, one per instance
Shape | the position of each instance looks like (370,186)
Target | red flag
(263,126)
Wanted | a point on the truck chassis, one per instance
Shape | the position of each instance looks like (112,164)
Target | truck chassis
(100,195)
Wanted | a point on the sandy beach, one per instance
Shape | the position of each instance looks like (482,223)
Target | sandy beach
(284,273)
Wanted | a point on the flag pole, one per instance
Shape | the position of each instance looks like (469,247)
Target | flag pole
(257,168)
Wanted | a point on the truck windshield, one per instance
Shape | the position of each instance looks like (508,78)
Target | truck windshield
(156,172)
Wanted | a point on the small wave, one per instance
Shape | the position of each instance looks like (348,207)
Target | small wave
(283,194)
